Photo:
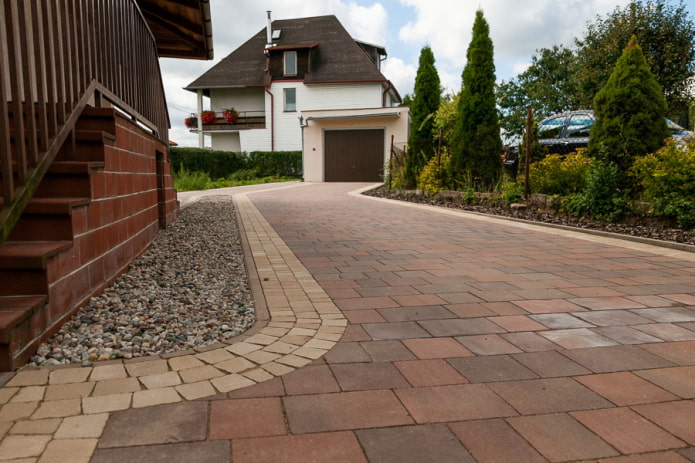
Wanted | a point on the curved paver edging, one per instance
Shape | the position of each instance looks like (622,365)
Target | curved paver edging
(672,249)
(42,407)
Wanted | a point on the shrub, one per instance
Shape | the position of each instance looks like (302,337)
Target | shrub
(602,197)
(667,180)
(185,180)
(433,177)
(512,192)
(277,163)
(560,175)
(215,163)
(220,164)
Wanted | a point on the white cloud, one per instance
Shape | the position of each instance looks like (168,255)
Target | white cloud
(517,29)
(400,74)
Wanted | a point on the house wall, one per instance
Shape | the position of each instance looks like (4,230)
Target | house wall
(313,158)
(242,99)
(227,141)
(287,134)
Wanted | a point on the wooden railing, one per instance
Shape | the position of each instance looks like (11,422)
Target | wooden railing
(56,57)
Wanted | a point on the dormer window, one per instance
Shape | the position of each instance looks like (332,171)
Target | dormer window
(290,58)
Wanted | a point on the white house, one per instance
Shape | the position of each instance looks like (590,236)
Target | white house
(300,80)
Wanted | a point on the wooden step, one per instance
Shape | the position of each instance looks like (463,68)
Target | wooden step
(98,119)
(69,179)
(47,219)
(16,309)
(89,146)
(30,255)
(23,319)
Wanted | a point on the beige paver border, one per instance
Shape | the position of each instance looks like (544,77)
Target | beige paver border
(41,408)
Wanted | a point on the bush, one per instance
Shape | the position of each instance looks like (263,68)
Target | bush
(277,163)
(433,177)
(602,197)
(221,164)
(217,164)
(558,175)
(667,180)
(185,180)
(512,192)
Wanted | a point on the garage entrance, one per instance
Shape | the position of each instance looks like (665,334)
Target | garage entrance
(354,155)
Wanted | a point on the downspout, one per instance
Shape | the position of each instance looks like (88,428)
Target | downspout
(303,124)
(272,113)
(388,89)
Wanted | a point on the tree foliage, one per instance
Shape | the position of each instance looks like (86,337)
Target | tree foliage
(666,34)
(549,85)
(478,147)
(425,102)
(630,111)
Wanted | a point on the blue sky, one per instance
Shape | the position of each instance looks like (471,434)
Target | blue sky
(517,28)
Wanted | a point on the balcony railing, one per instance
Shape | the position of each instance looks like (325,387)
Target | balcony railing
(56,57)
(245,120)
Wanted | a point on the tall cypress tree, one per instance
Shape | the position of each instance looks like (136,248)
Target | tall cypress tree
(425,102)
(478,148)
(630,111)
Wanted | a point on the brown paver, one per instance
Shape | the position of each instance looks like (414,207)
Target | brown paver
(627,431)
(453,403)
(238,418)
(550,395)
(675,417)
(625,388)
(492,441)
(398,332)
(305,448)
(413,444)
(434,372)
(342,411)
(163,424)
(678,380)
(560,437)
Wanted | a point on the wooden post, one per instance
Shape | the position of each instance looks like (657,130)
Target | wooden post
(390,163)
(529,127)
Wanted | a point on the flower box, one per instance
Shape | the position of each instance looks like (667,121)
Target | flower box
(208,117)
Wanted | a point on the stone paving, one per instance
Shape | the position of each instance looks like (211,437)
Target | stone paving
(464,338)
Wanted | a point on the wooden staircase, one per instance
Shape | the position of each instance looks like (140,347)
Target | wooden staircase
(43,264)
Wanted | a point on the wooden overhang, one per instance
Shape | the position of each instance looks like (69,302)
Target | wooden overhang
(182,28)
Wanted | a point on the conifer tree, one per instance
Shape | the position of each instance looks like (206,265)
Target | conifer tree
(425,102)
(478,147)
(630,111)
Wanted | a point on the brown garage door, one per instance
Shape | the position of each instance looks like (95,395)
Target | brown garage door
(354,155)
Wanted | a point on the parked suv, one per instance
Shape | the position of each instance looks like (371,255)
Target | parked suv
(564,133)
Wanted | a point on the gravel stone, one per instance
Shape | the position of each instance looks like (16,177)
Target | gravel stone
(189,289)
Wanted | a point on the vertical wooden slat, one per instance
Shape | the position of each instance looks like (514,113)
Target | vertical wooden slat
(61,92)
(41,76)
(50,57)
(5,146)
(15,62)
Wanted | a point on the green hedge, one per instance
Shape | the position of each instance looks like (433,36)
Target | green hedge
(220,164)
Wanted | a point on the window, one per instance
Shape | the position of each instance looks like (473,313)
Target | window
(290,63)
(551,128)
(290,99)
(579,126)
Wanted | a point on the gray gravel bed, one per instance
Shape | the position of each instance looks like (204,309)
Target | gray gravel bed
(189,289)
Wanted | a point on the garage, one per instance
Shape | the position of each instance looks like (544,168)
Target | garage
(354,155)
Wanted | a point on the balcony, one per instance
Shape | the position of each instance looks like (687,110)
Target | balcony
(245,120)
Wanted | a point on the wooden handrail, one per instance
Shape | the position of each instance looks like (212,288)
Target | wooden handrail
(56,57)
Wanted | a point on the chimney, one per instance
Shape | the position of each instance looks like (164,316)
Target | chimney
(269,32)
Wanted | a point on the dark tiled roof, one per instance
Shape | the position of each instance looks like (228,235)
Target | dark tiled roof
(339,58)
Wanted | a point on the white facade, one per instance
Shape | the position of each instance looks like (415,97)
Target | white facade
(282,130)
